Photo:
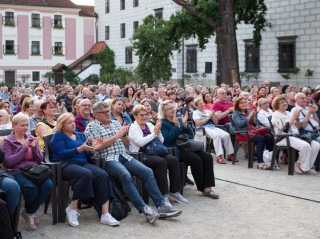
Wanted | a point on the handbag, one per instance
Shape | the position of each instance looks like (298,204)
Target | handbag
(37,174)
(155,147)
(260,131)
(119,208)
(184,143)
(308,137)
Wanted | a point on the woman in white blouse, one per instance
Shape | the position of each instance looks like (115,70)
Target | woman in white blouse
(307,153)
(264,112)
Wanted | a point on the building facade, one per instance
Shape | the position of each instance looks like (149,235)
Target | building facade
(292,41)
(37,35)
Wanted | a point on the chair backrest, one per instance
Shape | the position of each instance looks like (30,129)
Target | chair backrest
(271,125)
(47,156)
(5,132)
(33,132)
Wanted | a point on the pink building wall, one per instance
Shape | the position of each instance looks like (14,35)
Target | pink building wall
(88,34)
(71,39)
(23,37)
(1,44)
(47,38)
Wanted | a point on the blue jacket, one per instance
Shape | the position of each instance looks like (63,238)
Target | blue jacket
(65,149)
(240,120)
(125,117)
(171,132)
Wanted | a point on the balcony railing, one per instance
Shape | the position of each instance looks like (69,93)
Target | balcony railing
(10,49)
(9,21)
(57,24)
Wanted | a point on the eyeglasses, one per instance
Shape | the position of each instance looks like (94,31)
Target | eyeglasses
(171,108)
(142,115)
(86,106)
(104,112)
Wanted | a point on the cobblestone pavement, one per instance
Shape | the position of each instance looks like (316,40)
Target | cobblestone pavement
(290,208)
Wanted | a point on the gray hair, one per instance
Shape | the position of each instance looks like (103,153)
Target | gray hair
(298,95)
(37,103)
(161,114)
(100,106)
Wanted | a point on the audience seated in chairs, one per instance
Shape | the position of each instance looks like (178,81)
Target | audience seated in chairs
(5,120)
(117,108)
(121,165)
(307,153)
(264,112)
(21,151)
(87,180)
(143,132)
(244,119)
(201,162)
(221,139)
(84,116)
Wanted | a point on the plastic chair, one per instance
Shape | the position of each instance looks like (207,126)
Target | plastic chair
(292,153)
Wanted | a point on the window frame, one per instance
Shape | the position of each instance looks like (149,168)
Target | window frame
(128,55)
(122,30)
(35,45)
(191,59)
(122,5)
(135,3)
(208,67)
(252,56)
(107,32)
(35,20)
(107,7)
(158,11)
(9,49)
(286,54)
(58,49)
(35,75)
(135,26)
(8,19)
(57,22)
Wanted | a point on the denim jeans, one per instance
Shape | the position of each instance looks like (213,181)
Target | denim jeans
(12,191)
(123,170)
(33,196)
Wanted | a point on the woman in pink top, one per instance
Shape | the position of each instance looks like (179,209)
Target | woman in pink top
(208,100)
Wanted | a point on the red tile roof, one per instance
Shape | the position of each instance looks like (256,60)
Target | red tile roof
(59,67)
(98,47)
(87,11)
(44,3)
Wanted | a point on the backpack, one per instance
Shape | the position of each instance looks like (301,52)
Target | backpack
(7,230)
(119,207)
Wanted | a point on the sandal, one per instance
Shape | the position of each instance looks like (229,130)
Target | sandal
(230,158)
(263,166)
(220,160)
(211,194)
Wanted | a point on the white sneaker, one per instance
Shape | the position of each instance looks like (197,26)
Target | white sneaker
(177,197)
(108,219)
(72,217)
(166,200)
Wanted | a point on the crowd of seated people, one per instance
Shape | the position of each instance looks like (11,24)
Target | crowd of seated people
(119,120)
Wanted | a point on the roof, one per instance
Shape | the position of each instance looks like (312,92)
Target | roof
(87,11)
(59,67)
(98,47)
(43,3)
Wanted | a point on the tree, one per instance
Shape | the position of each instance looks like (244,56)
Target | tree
(221,17)
(71,77)
(153,47)
(50,75)
(106,59)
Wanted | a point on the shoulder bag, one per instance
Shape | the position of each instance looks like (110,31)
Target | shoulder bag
(184,143)
(37,174)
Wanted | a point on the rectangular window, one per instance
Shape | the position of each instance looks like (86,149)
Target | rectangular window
(135,3)
(208,68)
(107,10)
(122,4)
(9,19)
(57,21)
(122,30)
(287,53)
(158,13)
(35,76)
(58,49)
(252,57)
(135,26)
(9,48)
(128,55)
(107,33)
(191,59)
(35,20)
(35,48)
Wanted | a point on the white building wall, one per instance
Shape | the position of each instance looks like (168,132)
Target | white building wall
(299,18)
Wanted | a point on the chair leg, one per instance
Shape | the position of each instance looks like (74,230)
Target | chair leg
(16,214)
(317,163)
(183,175)
(251,154)
(236,148)
(291,160)
(275,153)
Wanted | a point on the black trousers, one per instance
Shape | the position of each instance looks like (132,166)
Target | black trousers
(201,164)
(87,181)
(263,141)
(160,165)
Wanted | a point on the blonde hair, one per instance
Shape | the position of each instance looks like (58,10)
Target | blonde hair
(138,108)
(61,121)
(197,100)
(161,114)
(6,115)
(19,118)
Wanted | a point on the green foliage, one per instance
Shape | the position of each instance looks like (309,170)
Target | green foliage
(92,79)
(106,59)
(309,73)
(71,77)
(295,70)
(286,76)
(153,46)
(120,76)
